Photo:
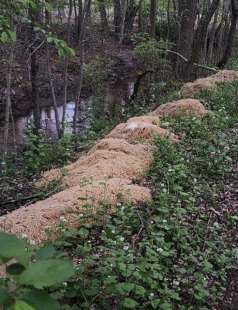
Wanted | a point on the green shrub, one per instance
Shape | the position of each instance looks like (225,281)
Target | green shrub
(41,153)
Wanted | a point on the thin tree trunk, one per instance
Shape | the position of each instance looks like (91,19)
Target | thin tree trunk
(153,8)
(212,38)
(8,103)
(34,16)
(122,30)
(81,63)
(52,88)
(140,17)
(79,19)
(66,63)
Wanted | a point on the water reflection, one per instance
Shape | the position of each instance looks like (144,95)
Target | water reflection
(111,104)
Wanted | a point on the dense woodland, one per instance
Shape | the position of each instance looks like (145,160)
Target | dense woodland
(52,49)
(71,70)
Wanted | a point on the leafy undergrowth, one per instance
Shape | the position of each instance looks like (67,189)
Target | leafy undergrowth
(18,174)
(179,251)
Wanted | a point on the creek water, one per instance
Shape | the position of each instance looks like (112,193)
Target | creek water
(112,103)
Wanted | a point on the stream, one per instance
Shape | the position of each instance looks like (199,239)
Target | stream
(112,104)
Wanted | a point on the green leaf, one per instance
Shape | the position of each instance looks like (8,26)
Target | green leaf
(125,287)
(46,252)
(12,35)
(46,273)
(4,37)
(166,306)
(83,232)
(139,290)
(129,303)
(5,297)
(15,269)
(41,300)
(22,305)
(11,247)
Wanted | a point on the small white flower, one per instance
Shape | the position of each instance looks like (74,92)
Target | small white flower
(175,283)
(164,190)
(32,242)
(24,236)
(151,222)
(113,231)
(122,239)
(152,294)
(65,284)
(81,215)
(63,219)
(126,247)
(164,221)
(160,250)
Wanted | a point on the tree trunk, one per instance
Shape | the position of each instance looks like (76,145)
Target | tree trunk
(153,8)
(140,18)
(103,16)
(66,63)
(117,16)
(200,36)
(130,16)
(212,38)
(187,12)
(231,35)
(81,63)
(122,30)
(52,88)
(8,103)
(78,16)
(34,67)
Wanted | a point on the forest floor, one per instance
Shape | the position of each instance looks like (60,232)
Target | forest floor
(229,200)
(197,241)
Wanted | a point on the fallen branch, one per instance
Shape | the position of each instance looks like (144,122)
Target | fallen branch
(186,60)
